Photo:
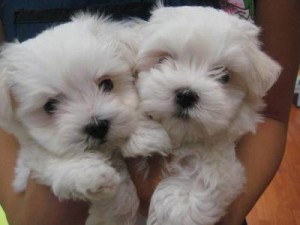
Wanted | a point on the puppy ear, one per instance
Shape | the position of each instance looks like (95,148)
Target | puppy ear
(264,73)
(145,63)
(263,70)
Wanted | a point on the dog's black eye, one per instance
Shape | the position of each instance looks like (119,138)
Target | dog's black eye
(162,59)
(220,73)
(106,85)
(51,106)
(224,79)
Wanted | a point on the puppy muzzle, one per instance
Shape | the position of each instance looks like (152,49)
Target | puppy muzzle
(185,99)
(98,129)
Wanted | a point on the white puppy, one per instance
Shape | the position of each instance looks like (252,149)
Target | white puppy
(202,75)
(68,96)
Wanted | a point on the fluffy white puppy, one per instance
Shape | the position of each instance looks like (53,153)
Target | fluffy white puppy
(202,75)
(68,96)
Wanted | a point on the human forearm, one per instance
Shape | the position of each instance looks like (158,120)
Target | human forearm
(261,153)
(41,207)
(146,186)
(280,24)
(8,153)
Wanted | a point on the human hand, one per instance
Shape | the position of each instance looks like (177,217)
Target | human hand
(146,186)
(38,205)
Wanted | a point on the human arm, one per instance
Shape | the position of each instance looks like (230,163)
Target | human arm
(145,186)
(37,205)
(262,153)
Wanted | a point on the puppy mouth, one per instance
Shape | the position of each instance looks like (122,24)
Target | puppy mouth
(94,144)
(104,145)
(182,114)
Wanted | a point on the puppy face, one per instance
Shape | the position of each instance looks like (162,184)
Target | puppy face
(73,86)
(200,71)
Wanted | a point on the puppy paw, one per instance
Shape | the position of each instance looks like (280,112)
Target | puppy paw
(87,182)
(102,183)
(149,138)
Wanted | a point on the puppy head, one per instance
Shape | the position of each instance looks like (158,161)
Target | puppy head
(201,71)
(73,86)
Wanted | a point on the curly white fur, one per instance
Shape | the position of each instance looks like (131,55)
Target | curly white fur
(218,57)
(67,64)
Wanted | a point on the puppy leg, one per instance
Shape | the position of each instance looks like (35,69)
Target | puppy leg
(119,210)
(178,201)
(83,176)
(199,199)
(149,138)
(173,204)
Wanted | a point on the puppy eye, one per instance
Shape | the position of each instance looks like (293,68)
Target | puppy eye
(224,79)
(150,117)
(162,59)
(106,85)
(51,106)
(221,73)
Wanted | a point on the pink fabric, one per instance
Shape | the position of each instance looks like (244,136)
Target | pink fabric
(238,7)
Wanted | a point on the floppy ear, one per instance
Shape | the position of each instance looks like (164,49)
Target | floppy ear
(146,62)
(263,71)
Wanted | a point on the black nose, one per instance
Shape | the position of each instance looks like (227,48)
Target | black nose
(186,98)
(98,129)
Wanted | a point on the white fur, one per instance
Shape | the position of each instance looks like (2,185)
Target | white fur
(148,138)
(67,62)
(184,47)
